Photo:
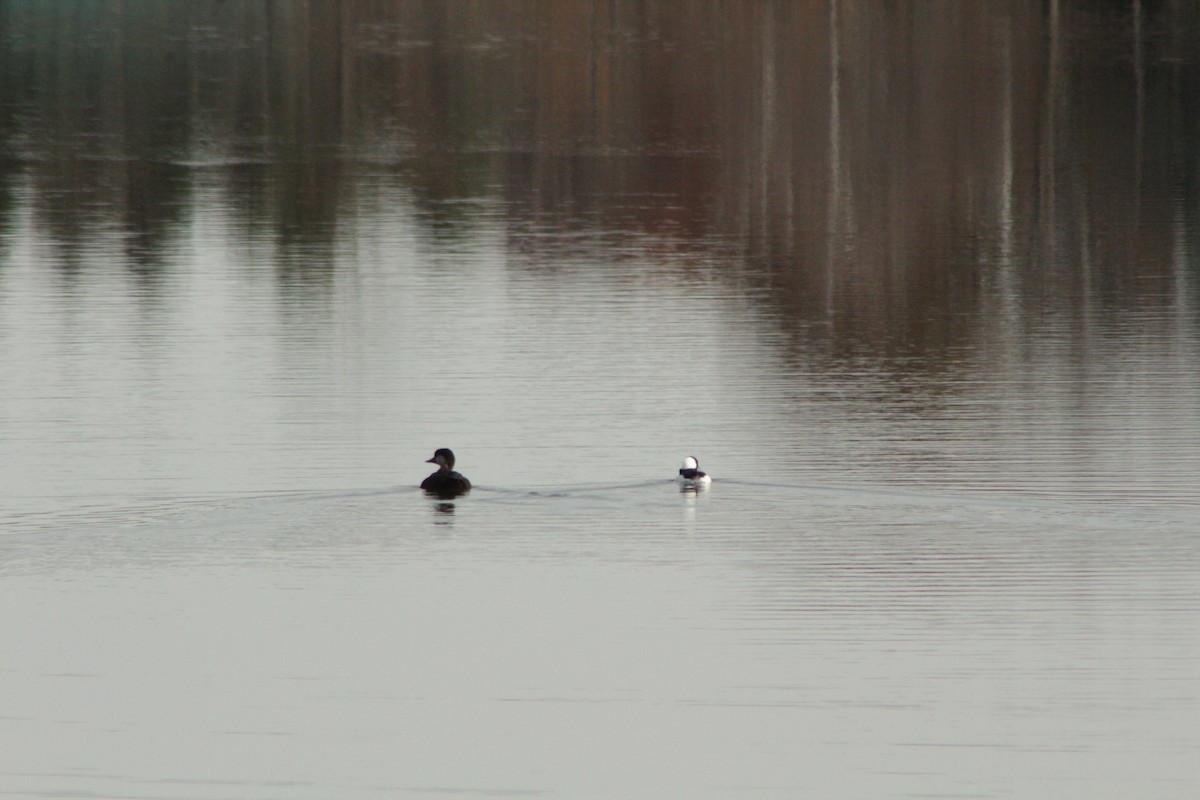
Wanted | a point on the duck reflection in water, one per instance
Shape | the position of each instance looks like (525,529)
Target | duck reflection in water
(445,483)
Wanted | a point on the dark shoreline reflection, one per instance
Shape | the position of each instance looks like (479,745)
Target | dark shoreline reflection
(887,182)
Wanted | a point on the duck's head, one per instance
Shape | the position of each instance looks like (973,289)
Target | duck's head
(690,463)
(443,457)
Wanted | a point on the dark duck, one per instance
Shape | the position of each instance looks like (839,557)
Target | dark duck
(445,483)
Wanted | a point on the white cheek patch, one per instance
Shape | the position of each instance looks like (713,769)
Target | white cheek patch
(690,463)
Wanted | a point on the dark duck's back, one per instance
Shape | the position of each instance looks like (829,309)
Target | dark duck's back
(445,482)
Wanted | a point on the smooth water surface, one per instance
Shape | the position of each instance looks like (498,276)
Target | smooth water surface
(917,285)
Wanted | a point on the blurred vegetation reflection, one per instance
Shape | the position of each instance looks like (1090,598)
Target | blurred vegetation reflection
(903,173)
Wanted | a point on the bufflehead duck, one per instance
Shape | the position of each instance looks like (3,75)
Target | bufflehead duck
(690,474)
(445,483)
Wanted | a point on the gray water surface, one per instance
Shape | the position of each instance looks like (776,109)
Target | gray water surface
(918,288)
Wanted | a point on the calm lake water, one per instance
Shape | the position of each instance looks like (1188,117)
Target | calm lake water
(918,284)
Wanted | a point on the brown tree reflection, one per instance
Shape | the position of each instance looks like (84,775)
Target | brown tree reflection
(899,173)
